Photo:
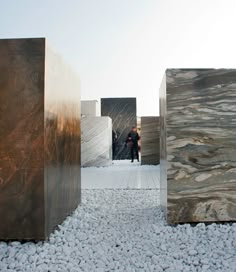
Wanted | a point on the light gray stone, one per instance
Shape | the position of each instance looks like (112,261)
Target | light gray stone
(96,141)
(89,108)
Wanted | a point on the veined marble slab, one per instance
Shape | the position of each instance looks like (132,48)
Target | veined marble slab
(150,139)
(198,145)
(89,108)
(39,139)
(122,111)
(96,141)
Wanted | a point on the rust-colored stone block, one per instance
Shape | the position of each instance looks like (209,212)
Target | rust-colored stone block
(39,140)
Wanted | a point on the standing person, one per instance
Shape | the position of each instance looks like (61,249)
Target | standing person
(114,139)
(132,142)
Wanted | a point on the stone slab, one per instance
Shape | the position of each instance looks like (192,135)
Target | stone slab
(123,113)
(198,147)
(89,108)
(96,141)
(40,139)
(150,140)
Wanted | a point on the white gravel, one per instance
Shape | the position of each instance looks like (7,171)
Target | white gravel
(124,230)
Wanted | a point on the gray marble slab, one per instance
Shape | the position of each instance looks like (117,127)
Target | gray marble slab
(96,141)
(89,108)
(122,111)
(150,140)
(198,145)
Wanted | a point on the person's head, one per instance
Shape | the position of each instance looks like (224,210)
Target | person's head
(134,129)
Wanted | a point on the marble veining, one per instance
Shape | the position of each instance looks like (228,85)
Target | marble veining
(198,119)
(150,138)
(123,113)
(40,140)
(96,141)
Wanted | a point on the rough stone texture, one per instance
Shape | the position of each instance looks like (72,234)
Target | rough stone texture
(89,108)
(125,230)
(40,139)
(150,137)
(198,147)
(96,141)
(122,111)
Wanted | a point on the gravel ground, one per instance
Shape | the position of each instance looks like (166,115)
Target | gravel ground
(124,230)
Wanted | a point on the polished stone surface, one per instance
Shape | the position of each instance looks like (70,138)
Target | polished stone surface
(90,108)
(96,141)
(150,138)
(122,111)
(198,147)
(122,175)
(40,139)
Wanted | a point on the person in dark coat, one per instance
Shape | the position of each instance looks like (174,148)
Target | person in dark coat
(132,142)
(114,140)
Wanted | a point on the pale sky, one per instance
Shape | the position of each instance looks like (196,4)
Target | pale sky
(121,48)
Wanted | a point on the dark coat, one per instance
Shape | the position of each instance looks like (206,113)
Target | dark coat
(114,136)
(133,137)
